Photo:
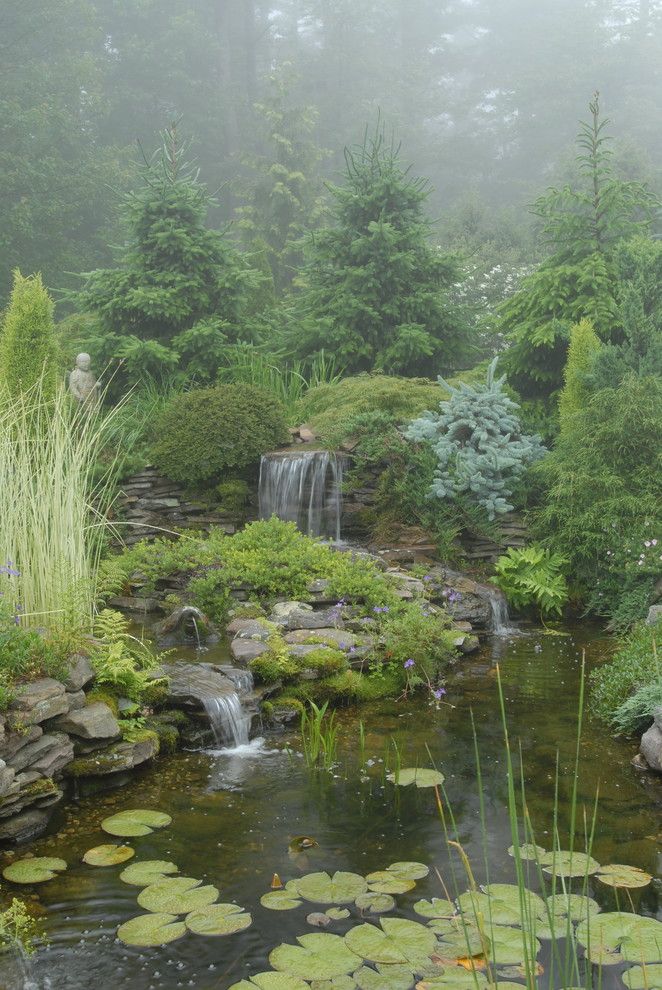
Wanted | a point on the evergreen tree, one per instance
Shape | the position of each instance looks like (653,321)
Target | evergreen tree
(180,290)
(376,292)
(479,443)
(583,347)
(583,225)
(28,351)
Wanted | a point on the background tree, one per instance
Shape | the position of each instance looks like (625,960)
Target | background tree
(376,292)
(582,349)
(28,350)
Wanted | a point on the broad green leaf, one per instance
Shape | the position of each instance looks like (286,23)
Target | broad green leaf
(508,945)
(148,872)
(375,903)
(337,914)
(134,822)
(271,981)
(416,775)
(384,882)
(569,864)
(337,983)
(108,855)
(391,977)
(438,907)
(623,876)
(36,869)
(643,978)
(574,906)
(398,941)
(318,956)
(455,978)
(218,919)
(409,871)
(341,888)
(528,851)
(634,938)
(280,900)
(151,929)
(176,895)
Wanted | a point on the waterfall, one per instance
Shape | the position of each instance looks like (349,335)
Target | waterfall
(304,487)
(229,722)
(500,618)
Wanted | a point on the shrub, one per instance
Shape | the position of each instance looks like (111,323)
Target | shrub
(414,631)
(233,496)
(532,576)
(28,349)
(583,347)
(123,664)
(208,431)
(634,667)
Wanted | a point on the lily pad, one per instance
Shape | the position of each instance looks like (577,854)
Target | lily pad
(438,907)
(337,914)
(271,981)
(281,900)
(385,977)
(500,904)
(623,876)
(108,855)
(151,929)
(176,895)
(134,822)
(375,903)
(341,888)
(455,978)
(573,906)
(36,869)
(643,978)
(632,937)
(319,956)
(409,871)
(398,941)
(148,872)
(384,882)
(337,983)
(528,851)
(218,919)
(564,863)
(416,775)
(508,946)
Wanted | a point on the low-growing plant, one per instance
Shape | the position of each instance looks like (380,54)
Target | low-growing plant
(634,668)
(26,654)
(532,576)
(123,663)
(19,929)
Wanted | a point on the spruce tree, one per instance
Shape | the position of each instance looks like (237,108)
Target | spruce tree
(28,350)
(583,225)
(583,347)
(376,292)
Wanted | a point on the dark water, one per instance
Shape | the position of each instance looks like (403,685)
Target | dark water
(235,815)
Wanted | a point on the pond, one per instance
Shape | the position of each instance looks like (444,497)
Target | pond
(235,814)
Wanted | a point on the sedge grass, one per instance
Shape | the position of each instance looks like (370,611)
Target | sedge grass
(319,736)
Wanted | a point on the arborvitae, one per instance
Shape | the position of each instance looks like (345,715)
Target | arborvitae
(583,347)
(28,349)
(479,444)
(376,292)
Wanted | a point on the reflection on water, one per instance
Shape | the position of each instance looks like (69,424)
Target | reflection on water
(236,811)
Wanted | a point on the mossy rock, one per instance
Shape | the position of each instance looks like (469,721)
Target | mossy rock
(104,697)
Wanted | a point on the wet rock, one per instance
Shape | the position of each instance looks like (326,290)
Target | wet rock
(192,683)
(245,650)
(26,826)
(466,643)
(116,759)
(39,701)
(639,763)
(80,672)
(92,722)
(184,626)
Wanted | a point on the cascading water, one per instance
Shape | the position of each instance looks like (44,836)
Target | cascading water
(304,487)
(501,624)
(229,721)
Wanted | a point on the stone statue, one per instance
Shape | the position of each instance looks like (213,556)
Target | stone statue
(82,384)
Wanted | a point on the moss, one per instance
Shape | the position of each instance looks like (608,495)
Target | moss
(38,788)
(233,496)
(167,733)
(281,703)
(156,693)
(100,695)
(173,716)
(247,610)
(324,661)
(349,687)
(273,666)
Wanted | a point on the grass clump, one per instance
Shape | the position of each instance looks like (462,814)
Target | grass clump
(623,689)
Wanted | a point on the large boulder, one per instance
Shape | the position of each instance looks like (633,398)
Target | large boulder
(95,721)
(185,626)
(190,684)
(80,672)
(38,701)
(309,619)
(245,650)
(48,755)
(651,743)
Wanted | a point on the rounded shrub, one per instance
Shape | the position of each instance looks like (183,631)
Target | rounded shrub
(211,430)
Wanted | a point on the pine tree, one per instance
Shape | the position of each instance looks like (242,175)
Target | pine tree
(583,347)
(583,226)
(28,350)
(479,443)
(376,292)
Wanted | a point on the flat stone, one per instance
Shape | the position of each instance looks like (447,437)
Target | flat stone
(303,649)
(80,672)
(193,683)
(14,741)
(48,755)
(339,637)
(651,747)
(92,722)
(7,775)
(27,777)
(120,757)
(282,610)
(129,604)
(39,701)
(323,619)
(245,650)
(255,629)
(407,586)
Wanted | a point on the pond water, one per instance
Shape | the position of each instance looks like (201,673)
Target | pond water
(235,813)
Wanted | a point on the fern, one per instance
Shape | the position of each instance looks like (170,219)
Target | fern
(121,660)
(532,576)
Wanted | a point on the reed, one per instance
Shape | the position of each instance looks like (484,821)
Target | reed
(319,736)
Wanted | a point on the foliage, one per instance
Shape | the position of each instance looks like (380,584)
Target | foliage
(633,672)
(635,714)
(415,631)
(205,432)
(28,350)
(25,654)
(532,576)
(376,293)
(18,928)
(582,349)
(319,736)
(233,496)
(179,291)
(601,509)
(479,444)
(123,663)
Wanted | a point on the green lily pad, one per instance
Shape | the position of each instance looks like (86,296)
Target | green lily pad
(458,945)
(151,929)
(341,888)
(375,903)
(385,977)
(318,956)
(398,941)
(176,895)
(563,863)
(643,978)
(529,851)
(337,914)
(337,983)
(36,869)
(623,876)
(384,882)
(416,775)
(573,906)
(409,871)
(218,919)
(438,907)
(271,981)
(634,938)
(108,855)
(455,978)
(135,822)
(600,956)
(281,900)
(148,872)
(500,904)
(508,946)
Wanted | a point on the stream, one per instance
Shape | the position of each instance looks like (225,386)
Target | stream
(235,813)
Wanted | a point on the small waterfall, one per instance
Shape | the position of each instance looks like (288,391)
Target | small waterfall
(501,624)
(304,487)
(229,722)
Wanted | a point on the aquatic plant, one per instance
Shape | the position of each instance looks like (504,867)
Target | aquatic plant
(319,736)
(134,822)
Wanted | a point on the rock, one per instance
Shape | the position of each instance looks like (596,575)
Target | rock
(281,610)
(77,700)
(639,763)
(245,650)
(39,701)
(300,619)
(192,683)
(186,625)
(303,649)
(7,775)
(657,717)
(16,740)
(48,755)
(129,604)
(255,629)
(80,672)
(408,587)
(651,747)
(26,826)
(654,615)
(466,643)
(92,722)
(340,638)
(120,757)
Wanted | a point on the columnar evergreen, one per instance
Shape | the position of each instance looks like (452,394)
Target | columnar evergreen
(583,347)
(28,349)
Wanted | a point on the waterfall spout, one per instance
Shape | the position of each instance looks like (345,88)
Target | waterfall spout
(501,625)
(304,487)
(229,722)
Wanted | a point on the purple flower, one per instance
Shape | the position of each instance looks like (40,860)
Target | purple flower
(439,693)
(9,570)
(427,577)
(408,664)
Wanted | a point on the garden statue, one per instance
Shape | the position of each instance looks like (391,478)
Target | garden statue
(82,384)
